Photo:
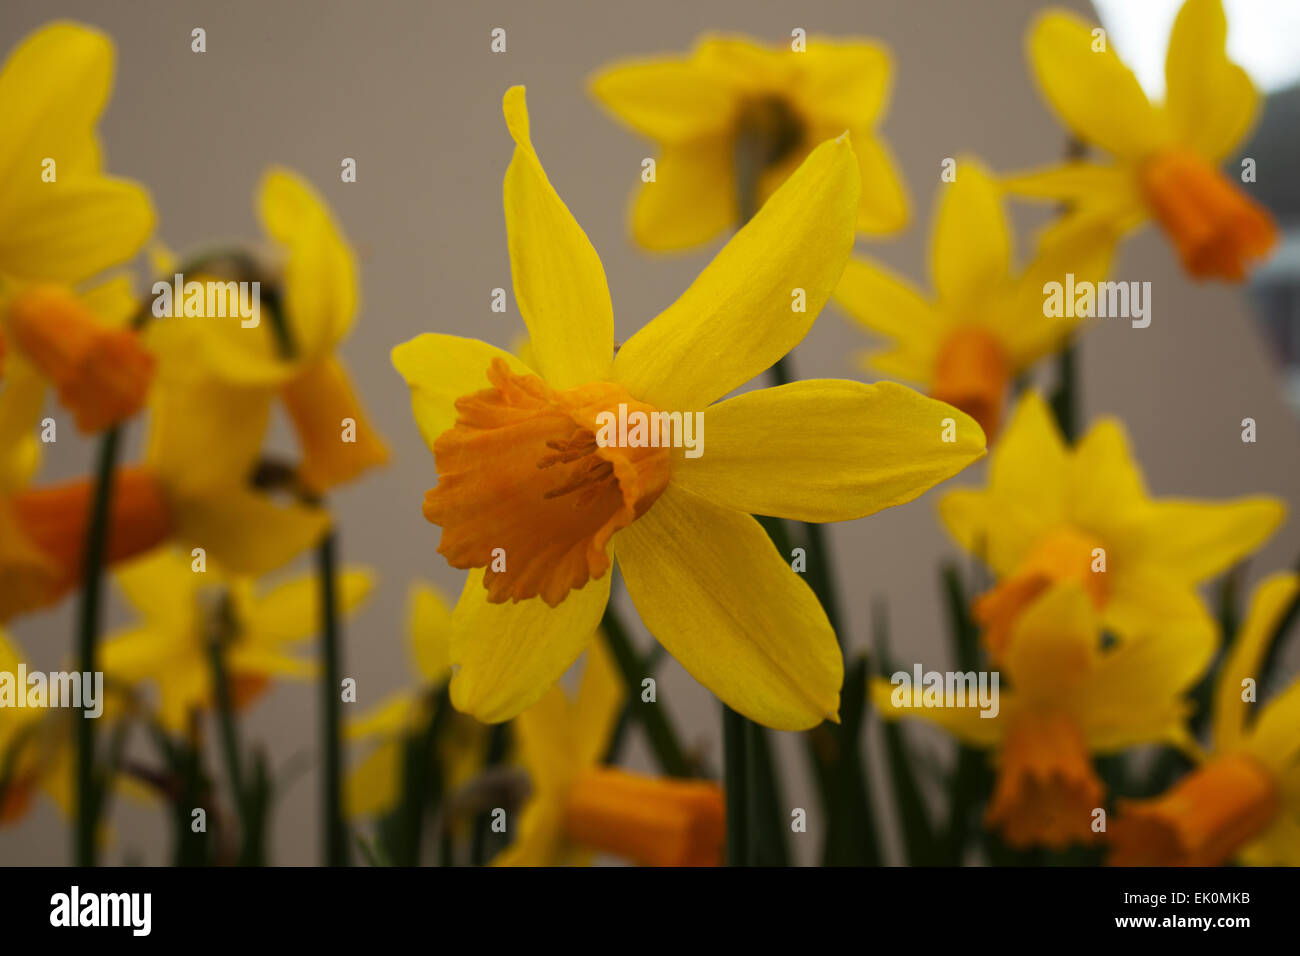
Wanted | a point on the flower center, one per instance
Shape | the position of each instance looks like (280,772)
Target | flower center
(648,820)
(770,128)
(1046,788)
(1064,555)
(1203,821)
(526,491)
(971,373)
(1217,229)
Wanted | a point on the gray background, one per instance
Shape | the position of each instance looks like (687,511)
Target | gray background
(413,93)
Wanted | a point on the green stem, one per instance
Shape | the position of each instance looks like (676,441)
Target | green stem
(96,545)
(735,754)
(336,831)
(654,719)
(230,742)
(1065,399)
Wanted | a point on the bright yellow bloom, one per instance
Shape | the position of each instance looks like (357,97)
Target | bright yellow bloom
(1053,513)
(236,373)
(374,787)
(1244,801)
(34,750)
(1166,157)
(520,468)
(1068,699)
(578,806)
(733,94)
(62,221)
(985,325)
(182,610)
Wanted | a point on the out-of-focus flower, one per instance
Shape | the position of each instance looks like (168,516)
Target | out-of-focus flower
(1053,513)
(1165,157)
(1068,699)
(34,749)
(374,787)
(532,502)
(578,806)
(985,326)
(237,371)
(732,94)
(62,221)
(1243,802)
(183,612)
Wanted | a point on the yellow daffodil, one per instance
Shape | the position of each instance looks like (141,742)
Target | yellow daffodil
(1052,513)
(375,785)
(578,806)
(1068,699)
(1243,802)
(731,94)
(62,221)
(34,750)
(1165,158)
(238,371)
(533,503)
(985,325)
(183,610)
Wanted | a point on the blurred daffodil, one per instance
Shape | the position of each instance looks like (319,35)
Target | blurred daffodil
(1068,700)
(63,221)
(531,502)
(374,787)
(1053,513)
(1165,158)
(183,612)
(578,806)
(35,751)
(732,96)
(236,371)
(985,325)
(1243,802)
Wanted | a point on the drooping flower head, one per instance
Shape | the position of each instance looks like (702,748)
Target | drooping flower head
(1054,513)
(1243,802)
(1068,698)
(537,507)
(1164,158)
(733,103)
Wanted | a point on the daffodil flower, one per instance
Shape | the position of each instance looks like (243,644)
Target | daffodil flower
(578,806)
(732,93)
(985,325)
(238,371)
(1165,157)
(62,221)
(1243,802)
(533,504)
(1068,700)
(374,787)
(1053,513)
(183,612)
(35,752)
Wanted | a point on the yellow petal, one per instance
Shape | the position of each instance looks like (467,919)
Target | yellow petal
(883,207)
(292,611)
(540,840)
(1143,598)
(964,723)
(504,657)
(1212,103)
(558,279)
(391,717)
(1103,481)
(712,588)
(1073,181)
(1195,540)
(692,198)
(161,585)
(599,704)
(320,272)
(847,82)
(1093,92)
(80,227)
(247,533)
(22,396)
(440,369)
(372,787)
(670,101)
(970,253)
(827,450)
(1267,605)
(429,632)
(737,318)
(1273,739)
(1054,644)
(884,303)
